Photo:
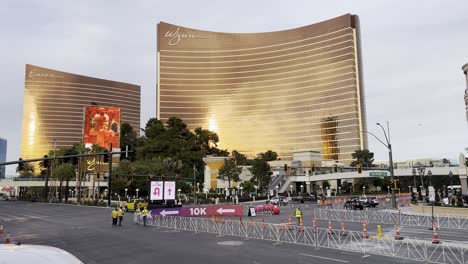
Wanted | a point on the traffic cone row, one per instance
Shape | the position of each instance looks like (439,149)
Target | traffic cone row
(343,230)
(435,240)
(397,233)
(8,239)
(330,228)
(364,230)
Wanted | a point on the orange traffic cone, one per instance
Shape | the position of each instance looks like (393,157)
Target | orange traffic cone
(364,230)
(330,228)
(8,239)
(314,225)
(290,227)
(343,230)
(435,240)
(397,233)
(301,228)
(1,229)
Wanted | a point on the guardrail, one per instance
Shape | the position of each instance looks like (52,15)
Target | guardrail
(392,217)
(411,249)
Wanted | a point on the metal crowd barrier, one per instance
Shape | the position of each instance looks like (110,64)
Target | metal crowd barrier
(392,217)
(411,249)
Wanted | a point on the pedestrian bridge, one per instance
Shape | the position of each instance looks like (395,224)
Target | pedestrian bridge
(40,182)
(400,172)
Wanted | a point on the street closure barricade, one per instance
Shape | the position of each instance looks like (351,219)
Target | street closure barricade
(411,249)
(392,217)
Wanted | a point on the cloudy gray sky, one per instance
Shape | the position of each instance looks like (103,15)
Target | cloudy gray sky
(412,50)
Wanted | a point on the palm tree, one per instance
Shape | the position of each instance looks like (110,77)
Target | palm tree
(95,148)
(63,172)
(81,149)
(27,170)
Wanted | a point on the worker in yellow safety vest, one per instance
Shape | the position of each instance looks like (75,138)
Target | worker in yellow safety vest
(145,215)
(298,215)
(120,214)
(115,213)
(137,216)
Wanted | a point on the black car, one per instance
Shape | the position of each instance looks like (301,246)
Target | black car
(353,204)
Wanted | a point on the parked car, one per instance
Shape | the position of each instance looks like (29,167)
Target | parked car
(279,200)
(3,197)
(372,201)
(353,203)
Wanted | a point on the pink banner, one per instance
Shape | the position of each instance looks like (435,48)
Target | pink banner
(216,210)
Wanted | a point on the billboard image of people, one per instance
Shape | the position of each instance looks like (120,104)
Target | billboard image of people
(102,126)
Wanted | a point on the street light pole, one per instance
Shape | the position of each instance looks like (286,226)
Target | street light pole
(390,157)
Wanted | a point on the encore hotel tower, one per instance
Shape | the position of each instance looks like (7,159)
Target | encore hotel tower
(298,89)
(54,102)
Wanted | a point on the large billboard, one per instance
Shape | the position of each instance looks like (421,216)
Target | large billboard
(102,126)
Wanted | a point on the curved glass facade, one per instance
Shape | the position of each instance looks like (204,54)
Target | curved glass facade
(298,89)
(54,103)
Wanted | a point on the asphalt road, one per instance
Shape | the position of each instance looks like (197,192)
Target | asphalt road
(87,233)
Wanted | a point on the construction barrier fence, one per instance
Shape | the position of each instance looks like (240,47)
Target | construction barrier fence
(392,217)
(364,243)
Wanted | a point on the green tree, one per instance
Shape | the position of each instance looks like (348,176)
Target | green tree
(154,128)
(268,156)
(128,137)
(248,186)
(363,157)
(240,158)
(229,171)
(261,174)
(27,171)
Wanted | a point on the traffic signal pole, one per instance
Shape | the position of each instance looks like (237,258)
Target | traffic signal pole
(392,175)
(109,181)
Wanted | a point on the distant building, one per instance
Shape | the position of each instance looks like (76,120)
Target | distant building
(465,71)
(54,104)
(283,91)
(3,150)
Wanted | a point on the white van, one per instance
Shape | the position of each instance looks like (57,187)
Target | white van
(27,254)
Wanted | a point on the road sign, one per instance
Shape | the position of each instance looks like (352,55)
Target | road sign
(169,190)
(156,190)
(222,210)
(378,173)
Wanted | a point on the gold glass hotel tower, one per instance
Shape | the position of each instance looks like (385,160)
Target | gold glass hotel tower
(298,89)
(54,102)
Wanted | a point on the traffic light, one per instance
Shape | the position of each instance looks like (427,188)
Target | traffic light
(335,168)
(46,163)
(359,168)
(20,165)
(285,167)
(106,156)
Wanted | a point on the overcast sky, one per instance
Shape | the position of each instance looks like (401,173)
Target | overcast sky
(413,52)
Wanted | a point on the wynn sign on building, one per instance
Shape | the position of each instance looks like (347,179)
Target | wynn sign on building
(298,89)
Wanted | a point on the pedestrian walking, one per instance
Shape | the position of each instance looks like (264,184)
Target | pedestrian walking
(120,214)
(145,215)
(298,215)
(115,213)
(137,217)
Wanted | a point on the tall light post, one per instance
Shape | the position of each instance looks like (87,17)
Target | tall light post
(256,190)
(388,145)
(291,187)
(364,190)
(126,193)
(339,190)
(178,192)
(451,183)
(302,188)
(388,189)
(241,190)
(414,177)
(277,187)
(137,190)
(422,172)
(206,194)
(429,174)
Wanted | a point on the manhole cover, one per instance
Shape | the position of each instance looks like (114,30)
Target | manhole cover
(230,243)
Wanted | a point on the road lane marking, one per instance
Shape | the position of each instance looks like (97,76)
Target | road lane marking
(337,260)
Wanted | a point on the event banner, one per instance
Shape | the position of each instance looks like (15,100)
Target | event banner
(215,210)
(102,126)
